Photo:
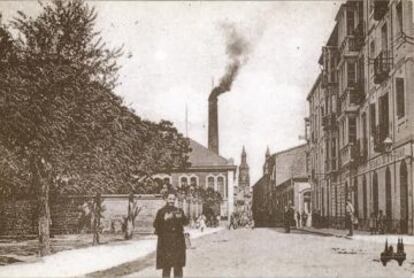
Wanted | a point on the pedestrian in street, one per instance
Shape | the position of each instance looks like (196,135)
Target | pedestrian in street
(169,226)
(304,218)
(202,222)
(288,218)
(356,221)
(350,217)
(298,223)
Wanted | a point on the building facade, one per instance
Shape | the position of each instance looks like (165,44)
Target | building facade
(361,110)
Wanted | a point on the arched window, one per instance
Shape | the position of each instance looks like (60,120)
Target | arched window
(210,182)
(404,198)
(183,182)
(356,201)
(220,187)
(194,181)
(158,181)
(167,180)
(375,193)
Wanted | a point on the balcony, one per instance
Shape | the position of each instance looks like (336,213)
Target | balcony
(352,98)
(351,45)
(382,67)
(380,9)
(349,154)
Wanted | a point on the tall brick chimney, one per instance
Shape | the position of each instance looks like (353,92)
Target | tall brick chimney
(213,133)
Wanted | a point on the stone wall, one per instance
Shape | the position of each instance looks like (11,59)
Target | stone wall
(19,217)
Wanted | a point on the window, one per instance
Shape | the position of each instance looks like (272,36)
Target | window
(352,130)
(183,182)
(384,38)
(364,134)
(399,9)
(372,48)
(210,182)
(372,118)
(399,87)
(351,72)
(384,117)
(193,181)
(350,22)
(220,187)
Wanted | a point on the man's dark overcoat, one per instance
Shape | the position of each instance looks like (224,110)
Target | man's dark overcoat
(169,226)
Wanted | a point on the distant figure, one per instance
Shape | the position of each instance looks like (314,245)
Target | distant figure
(233,221)
(298,223)
(372,223)
(288,218)
(349,216)
(202,222)
(356,221)
(381,222)
(304,218)
(169,226)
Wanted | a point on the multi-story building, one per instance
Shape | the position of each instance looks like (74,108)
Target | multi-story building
(361,112)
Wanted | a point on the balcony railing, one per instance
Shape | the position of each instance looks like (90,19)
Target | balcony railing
(348,154)
(351,98)
(380,9)
(382,67)
(351,44)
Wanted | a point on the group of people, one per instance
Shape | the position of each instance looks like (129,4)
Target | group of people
(294,218)
(239,219)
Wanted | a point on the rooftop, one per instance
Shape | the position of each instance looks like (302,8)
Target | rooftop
(202,157)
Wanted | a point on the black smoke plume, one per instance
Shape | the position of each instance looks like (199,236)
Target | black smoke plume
(237,50)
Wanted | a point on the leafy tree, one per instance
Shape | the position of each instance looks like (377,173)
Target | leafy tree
(59,119)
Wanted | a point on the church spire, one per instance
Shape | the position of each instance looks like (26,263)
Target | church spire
(267,152)
(244,177)
(243,162)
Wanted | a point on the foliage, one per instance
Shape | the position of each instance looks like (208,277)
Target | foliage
(57,105)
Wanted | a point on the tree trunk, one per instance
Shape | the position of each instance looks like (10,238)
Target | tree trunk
(42,186)
(129,227)
(96,222)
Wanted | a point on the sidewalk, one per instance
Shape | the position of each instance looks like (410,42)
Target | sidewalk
(360,235)
(79,262)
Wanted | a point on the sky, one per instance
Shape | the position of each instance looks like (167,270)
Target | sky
(175,52)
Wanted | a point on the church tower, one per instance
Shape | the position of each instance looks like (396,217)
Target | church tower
(265,165)
(244,177)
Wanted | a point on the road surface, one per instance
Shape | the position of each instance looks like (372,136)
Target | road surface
(269,252)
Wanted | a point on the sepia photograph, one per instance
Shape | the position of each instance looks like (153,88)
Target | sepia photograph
(206,139)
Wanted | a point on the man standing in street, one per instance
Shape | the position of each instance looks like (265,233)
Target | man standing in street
(349,216)
(169,226)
